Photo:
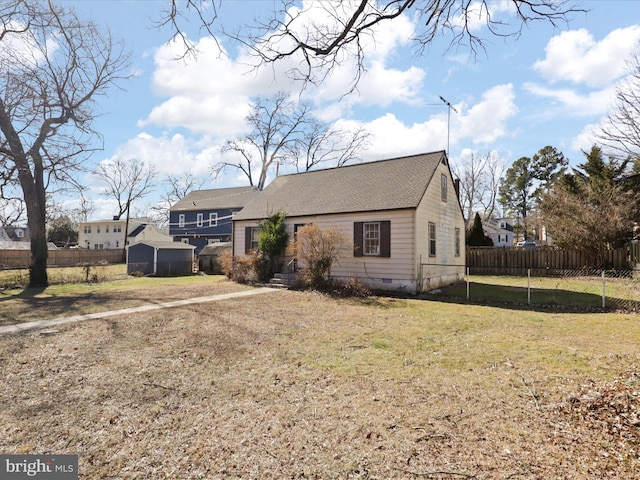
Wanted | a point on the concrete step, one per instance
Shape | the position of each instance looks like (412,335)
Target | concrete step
(283,279)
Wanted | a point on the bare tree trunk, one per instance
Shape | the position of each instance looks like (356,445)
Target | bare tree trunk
(34,196)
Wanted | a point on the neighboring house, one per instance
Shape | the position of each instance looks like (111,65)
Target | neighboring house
(162,258)
(403,216)
(101,234)
(14,234)
(148,232)
(15,238)
(203,217)
(500,231)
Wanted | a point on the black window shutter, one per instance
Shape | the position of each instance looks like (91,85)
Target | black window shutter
(247,240)
(385,238)
(357,239)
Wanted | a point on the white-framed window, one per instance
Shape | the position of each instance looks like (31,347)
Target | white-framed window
(432,239)
(457,242)
(255,235)
(213,240)
(185,240)
(251,236)
(19,233)
(106,229)
(98,229)
(200,220)
(443,187)
(117,243)
(181,220)
(213,219)
(87,229)
(371,238)
(117,228)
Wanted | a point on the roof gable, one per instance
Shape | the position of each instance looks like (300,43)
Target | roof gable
(161,245)
(215,199)
(390,184)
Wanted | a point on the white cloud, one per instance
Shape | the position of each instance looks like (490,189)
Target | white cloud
(486,121)
(169,155)
(221,116)
(586,138)
(390,137)
(571,102)
(575,56)
(483,123)
(211,93)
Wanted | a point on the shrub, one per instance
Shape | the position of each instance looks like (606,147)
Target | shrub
(261,264)
(351,288)
(241,270)
(316,250)
(226,262)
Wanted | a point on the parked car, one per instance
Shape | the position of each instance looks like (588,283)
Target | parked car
(527,244)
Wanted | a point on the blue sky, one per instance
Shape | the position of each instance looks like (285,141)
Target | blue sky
(551,86)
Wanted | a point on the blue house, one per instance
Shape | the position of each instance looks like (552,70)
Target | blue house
(203,217)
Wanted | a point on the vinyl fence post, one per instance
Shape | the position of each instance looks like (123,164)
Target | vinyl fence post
(468,283)
(603,291)
(529,286)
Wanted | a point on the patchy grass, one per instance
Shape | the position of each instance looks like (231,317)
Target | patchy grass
(568,292)
(24,305)
(301,385)
(19,278)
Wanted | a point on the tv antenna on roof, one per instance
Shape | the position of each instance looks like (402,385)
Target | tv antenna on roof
(446,102)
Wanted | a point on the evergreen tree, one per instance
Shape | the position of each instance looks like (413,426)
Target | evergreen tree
(272,240)
(595,208)
(476,236)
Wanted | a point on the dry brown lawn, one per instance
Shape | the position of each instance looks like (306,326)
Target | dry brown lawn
(300,385)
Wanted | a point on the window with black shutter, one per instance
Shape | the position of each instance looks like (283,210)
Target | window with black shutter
(372,239)
(251,239)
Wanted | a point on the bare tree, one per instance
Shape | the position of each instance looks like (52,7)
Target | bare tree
(321,35)
(285,132)
(276,123)
(126,181)
(479,183)
(621,131)
(323,144)
(12,211)
(53,67)
(176,188)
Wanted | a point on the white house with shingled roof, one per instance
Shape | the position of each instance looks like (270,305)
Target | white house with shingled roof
(402,214)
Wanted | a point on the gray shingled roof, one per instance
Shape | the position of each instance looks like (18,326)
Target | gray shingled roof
(215,199)
(391,184)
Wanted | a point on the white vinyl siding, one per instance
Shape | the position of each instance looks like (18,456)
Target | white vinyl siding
(446,266)
(399,269)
